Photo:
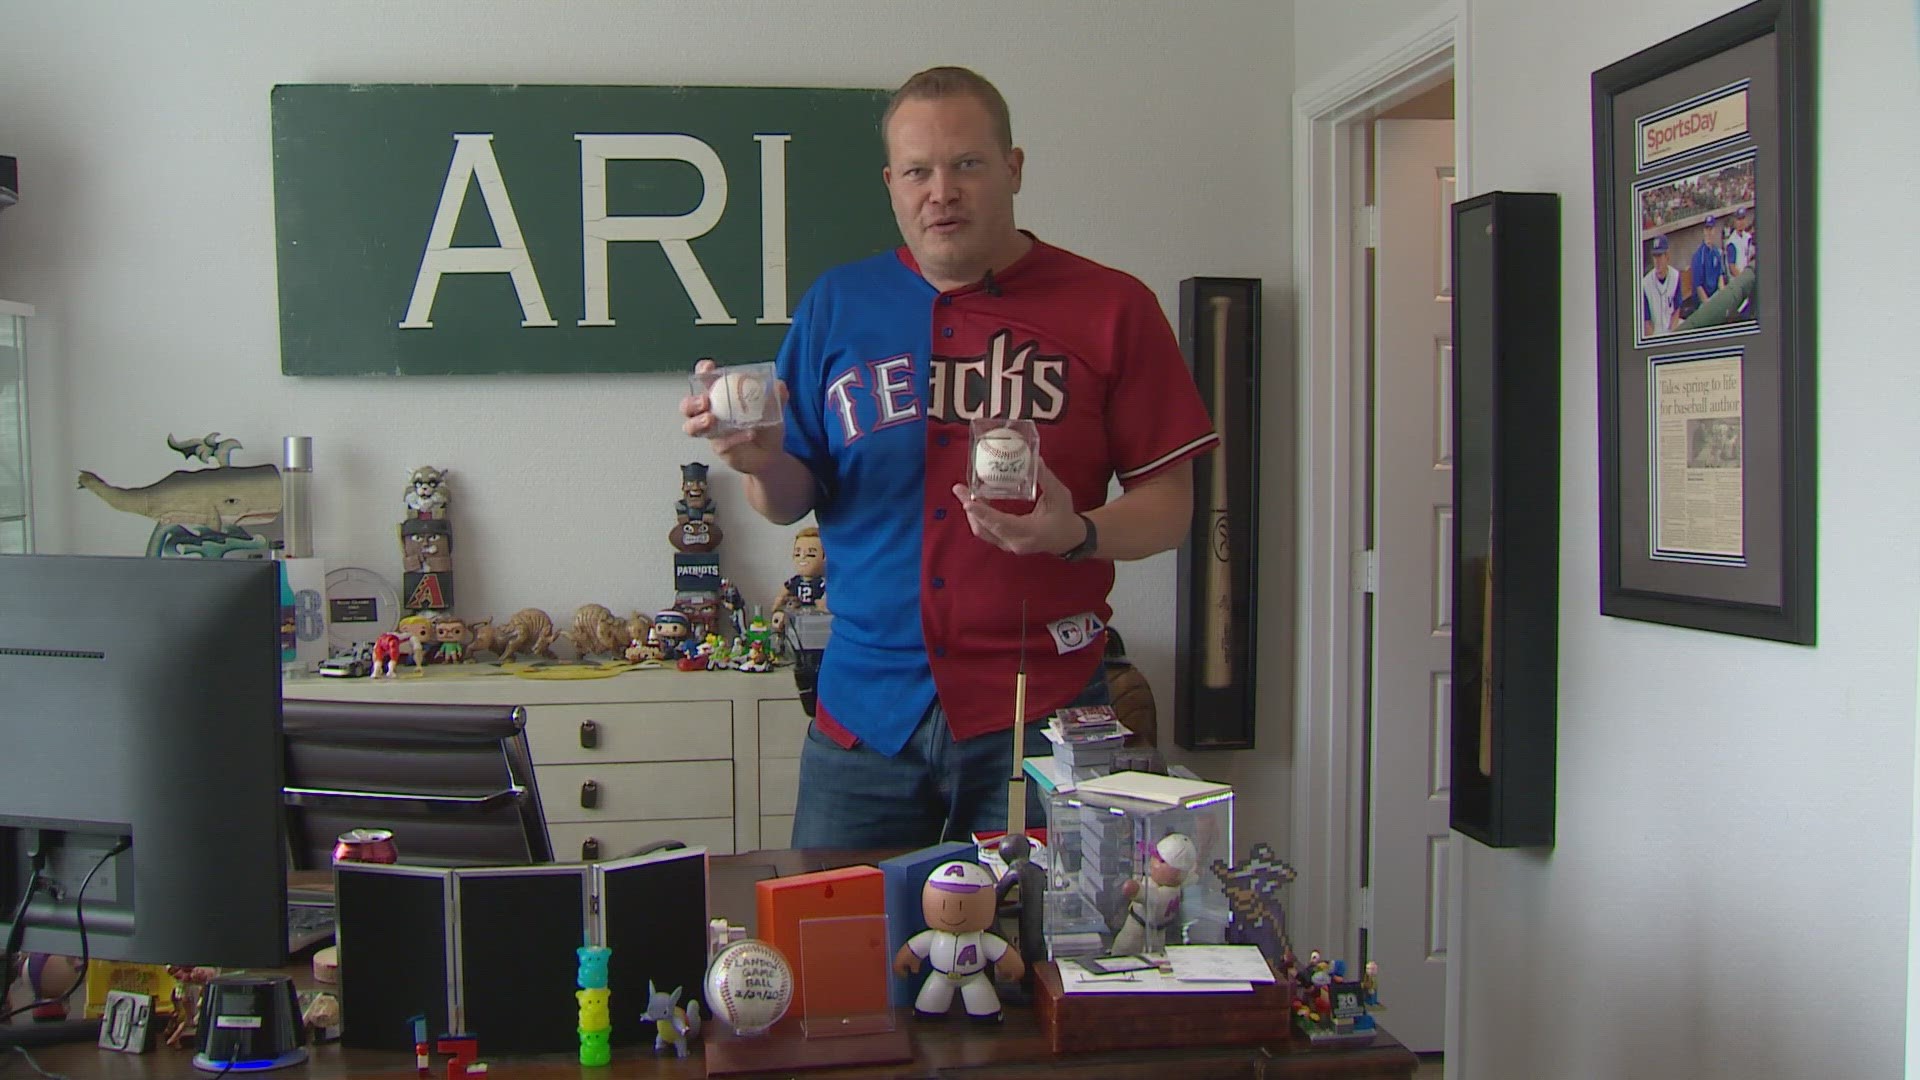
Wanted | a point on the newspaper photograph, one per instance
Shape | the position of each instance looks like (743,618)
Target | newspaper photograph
(1697,459)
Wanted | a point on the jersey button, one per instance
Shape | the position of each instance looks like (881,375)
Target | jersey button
(939,440)
(939,583)
(946,331)
(946,300)
(940,651)
(940,514)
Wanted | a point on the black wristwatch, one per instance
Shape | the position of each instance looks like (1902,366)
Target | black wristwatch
(1084,549)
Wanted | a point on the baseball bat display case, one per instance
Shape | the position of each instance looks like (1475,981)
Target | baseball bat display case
(1216,651)
(1506,516)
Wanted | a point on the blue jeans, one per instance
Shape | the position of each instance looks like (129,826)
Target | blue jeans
(934,789)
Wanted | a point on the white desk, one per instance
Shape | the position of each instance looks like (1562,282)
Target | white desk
(706,757)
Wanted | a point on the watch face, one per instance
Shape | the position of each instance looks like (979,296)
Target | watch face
(361,605)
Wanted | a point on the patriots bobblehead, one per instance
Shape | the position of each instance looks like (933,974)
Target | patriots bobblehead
(887,362)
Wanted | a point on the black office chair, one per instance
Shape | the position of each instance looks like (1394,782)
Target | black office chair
(454,783)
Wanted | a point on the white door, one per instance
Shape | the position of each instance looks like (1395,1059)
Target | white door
(1412,524)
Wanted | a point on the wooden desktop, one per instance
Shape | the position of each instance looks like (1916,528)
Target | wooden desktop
(1015,1048)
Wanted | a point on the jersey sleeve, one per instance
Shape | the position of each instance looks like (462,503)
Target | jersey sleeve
(800,364)
(1155,417)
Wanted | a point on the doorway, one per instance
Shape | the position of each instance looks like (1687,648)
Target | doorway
(1369,828)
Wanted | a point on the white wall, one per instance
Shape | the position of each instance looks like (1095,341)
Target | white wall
(1156,139)
(1328,34)
(1728,893)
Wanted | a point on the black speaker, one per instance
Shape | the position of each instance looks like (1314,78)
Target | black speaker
(9,181)
(1506,516)
(250,1023)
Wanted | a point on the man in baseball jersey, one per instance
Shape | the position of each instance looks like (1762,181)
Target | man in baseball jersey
(886,363)
(1709,263)
(1740,242)
(1659,292)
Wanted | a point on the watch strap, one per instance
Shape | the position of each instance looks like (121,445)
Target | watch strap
(1084,549)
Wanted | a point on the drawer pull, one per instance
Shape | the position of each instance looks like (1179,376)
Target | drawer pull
(589,734)
(590,795)
(589,850)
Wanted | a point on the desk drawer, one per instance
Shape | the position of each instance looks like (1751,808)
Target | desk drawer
(783,728)
(776,831)
(632,731)
(638,791)
(779,785)
(619,838)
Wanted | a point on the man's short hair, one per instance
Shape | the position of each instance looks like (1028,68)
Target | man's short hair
(945,82)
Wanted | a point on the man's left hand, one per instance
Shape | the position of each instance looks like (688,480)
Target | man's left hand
(1051,528)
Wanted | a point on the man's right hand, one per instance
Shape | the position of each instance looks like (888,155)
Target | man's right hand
(745,452)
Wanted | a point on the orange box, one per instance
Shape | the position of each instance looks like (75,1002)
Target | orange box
(780,904)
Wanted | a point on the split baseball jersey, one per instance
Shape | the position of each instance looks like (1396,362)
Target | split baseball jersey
(883,374)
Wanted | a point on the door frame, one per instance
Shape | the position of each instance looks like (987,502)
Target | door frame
(1330,120)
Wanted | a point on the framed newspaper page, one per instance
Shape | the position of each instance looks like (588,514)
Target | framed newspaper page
(1704,249)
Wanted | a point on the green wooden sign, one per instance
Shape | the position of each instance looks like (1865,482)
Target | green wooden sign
(448,230)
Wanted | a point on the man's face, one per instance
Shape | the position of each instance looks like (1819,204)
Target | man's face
(952,186)
(1661,262)
(808,558)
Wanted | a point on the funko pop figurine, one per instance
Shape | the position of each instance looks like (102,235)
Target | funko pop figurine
(386,653)
(450,634)
(421,630)
(673,633)
(959,902)
(807,588)
(1153,901)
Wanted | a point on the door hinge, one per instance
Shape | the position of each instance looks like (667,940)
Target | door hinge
(1366,571)
(1366,907)
(1366,226)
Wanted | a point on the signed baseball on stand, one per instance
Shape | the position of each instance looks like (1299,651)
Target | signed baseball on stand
(749,986)
(1001,457)
(738,399)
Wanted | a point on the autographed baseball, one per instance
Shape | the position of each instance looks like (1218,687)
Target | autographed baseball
(749,986)
(1001,458)
(739,399)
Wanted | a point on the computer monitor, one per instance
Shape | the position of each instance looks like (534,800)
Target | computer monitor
(140,702)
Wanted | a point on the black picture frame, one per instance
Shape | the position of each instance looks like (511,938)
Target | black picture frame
(1505,589)
(1708,462)
(1215,646)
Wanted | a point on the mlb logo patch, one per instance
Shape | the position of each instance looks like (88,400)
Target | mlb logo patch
(1075,632)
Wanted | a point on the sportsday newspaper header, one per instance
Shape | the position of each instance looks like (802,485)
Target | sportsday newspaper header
(1702,123)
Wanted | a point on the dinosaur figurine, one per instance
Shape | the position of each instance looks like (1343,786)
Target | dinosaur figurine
(672,1023)
(209,449)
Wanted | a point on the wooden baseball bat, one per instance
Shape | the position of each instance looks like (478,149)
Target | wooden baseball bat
(1217,662)
(1486,662)
(1017,783)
